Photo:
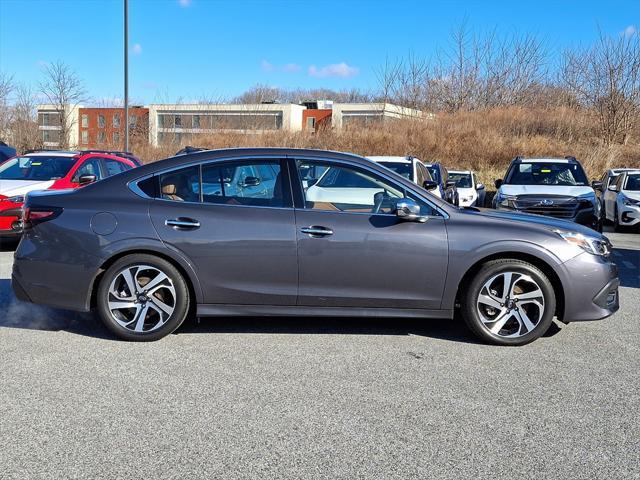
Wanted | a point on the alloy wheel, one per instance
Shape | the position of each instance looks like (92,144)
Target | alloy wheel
(142,298)
(510,304)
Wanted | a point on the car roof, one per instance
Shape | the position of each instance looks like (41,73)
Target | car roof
(461,171)
(51,153)
(392,159)
(618,171)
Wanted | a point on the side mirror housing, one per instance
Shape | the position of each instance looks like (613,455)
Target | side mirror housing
(498,183)
(408,210)
(480,186)
(250,182)
(86,179)
(596,185)
(429,185)
(449,184)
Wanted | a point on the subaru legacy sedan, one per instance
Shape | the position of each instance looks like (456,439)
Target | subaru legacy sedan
(235,232)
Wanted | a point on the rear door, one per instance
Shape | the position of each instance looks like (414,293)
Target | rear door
(234,222)
(353,251)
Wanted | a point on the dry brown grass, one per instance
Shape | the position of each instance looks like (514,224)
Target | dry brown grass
(482,141)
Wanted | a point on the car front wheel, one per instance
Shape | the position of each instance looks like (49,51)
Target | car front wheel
(142,298)
(509,302)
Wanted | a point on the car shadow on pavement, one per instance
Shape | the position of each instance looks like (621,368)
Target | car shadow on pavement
(628,262)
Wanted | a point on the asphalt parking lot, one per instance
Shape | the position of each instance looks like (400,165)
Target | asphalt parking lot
(319,398)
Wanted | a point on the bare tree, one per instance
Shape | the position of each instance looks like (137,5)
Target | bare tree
(65,91)
(6,87)
(606,78)
(24,127)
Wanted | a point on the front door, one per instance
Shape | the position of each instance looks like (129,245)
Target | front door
(354,252)
(237,231)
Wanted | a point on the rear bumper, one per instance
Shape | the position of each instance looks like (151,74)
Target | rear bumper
(590,288)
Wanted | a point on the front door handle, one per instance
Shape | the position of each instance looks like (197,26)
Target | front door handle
(181,223)
(316,231)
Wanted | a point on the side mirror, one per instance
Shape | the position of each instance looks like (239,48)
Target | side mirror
(480,186)
(250,182)
(612,188)
(498,183)
(408,210)
(429,185)
(449,184)
(596,185)
(86,179)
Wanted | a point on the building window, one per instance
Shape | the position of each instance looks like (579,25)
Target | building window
(102,137)
(133,121)
(311,123)
(101,122)
(85,120)
(178,121)
(116,138)
(196,121)
(116,120)
(85,137)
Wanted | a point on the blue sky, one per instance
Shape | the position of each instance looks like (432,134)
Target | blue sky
(190,49)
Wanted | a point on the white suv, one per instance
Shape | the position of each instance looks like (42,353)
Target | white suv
(622,200)
(411,168)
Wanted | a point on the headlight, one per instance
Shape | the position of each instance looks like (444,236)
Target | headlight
(16,199)
(592,245)
(503,200)
(630,202)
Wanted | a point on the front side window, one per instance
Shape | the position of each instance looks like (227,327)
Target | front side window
(89,167)
(632,183)
(434,172)
(351,189)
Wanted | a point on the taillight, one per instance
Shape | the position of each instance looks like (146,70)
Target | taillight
(34,215)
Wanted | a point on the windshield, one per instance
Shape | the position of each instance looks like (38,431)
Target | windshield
(463,180)
(435,173)
(633,182)
(403,169)
(542,173)
(38,168)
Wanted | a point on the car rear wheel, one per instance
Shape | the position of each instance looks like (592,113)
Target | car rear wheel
(509,302)
(142,298)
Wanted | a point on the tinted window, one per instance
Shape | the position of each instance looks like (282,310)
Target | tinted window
(351,189)
(257,183)
(543,173)
(114,167)
(36,168)
(633,182)
(181,185)
(434,172)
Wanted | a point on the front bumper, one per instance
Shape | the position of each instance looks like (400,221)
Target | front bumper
(585,216)
(590,288)
(629,215)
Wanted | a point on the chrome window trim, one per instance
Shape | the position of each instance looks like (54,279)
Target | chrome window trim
(435,207)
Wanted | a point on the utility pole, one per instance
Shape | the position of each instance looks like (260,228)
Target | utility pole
(126,75)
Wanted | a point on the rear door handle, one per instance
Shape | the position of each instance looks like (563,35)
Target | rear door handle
(316,231)
(182,223)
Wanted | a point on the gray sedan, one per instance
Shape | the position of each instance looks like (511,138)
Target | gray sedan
(251,232)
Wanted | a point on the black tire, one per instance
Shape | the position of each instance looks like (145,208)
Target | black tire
(616,222)
(471,291)
(181,300)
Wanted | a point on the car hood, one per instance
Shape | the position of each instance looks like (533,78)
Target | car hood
(634,195)
(546,190)
(11,188)
(535,221)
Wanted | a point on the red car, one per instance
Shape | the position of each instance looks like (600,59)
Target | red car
(49,170)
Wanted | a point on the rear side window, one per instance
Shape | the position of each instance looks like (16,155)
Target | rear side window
(113,167)
(181,185)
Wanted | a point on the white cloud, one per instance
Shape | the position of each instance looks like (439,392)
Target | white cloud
(630,31)
(267,66)
(184,3)
(334,70)
(136,49)
(291,68)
